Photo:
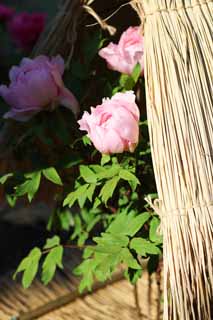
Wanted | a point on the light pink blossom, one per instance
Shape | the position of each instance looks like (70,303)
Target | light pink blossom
(37,85)
(127,53)
(25,29)
(113,126)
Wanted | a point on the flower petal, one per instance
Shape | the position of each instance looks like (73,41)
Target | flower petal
(68,100)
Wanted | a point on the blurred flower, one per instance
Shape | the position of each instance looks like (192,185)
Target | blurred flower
(6,13)
(37,85)
(25,29)
(127,53)
(113,126)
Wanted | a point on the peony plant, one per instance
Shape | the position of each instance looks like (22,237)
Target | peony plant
(113,126)
(37,85)
(123,57)
(99,164)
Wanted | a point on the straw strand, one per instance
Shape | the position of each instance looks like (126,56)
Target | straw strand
(179,86)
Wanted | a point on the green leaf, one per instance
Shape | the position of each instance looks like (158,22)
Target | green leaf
(127,82)
(82,238)
(133,275)
(4,178)
(136,72)
(88,252)
(129,260)
(30,186)
(87,174)
(135,224)
(128,223)
(90,191)
(108,189)
(92,223)
(29,266)
(52,175)
(109,243)
(53,242)
(65,219)
(144,247)
(130,177)
(77,227)
(105,159)
(86,269)
(97,203)
(153,231)
(107,173)
(51,262)
(11,199)
(86,141)
(75,195)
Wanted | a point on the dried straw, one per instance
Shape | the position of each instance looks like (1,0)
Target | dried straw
(179,83)
(61,35)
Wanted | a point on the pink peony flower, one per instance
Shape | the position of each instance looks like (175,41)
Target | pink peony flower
(113,126)
(37,85)
(6,13)
(127,53)
(25,29)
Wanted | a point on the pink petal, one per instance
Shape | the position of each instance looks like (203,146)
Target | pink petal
(68,100)
(125,125)
(21,115)
(58,62)
(14,72)
(113,143)
(84,122)
(127,100)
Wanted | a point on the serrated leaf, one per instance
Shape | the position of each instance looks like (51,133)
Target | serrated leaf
(97,203)
(30,186)
(107,173)
(109,243)
(4,178)
(129,260)
(82,238)
(94,221)
(97,168)
(130,177)
(90,191)
(144,247)
(128,223)
(53,242)
(65,219)
(73,196)
(52,175)
(77,227)
(137,223)
(108,189)
(86,269)
(51,262)
(87,174)
(88,252)
(29,267)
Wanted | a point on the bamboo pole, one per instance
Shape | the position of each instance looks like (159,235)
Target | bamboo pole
(179,83)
